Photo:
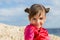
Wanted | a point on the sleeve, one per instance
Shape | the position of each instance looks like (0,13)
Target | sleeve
(44,35)
(28,34)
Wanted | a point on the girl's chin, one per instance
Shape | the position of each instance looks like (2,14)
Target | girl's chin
(38,26)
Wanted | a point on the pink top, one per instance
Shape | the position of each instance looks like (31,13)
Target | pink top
(33,33)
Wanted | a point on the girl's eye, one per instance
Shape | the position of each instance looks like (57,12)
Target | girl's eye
(34,18)
(41,18)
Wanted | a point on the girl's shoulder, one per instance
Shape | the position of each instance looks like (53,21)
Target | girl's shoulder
(29,27)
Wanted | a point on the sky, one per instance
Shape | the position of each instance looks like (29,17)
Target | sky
(12,12)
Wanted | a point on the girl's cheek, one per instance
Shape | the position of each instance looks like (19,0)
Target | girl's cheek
(42,22)
(32,22)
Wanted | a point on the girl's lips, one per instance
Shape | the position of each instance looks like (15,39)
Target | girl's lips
(39,24)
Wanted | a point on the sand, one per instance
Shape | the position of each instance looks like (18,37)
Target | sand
(8,32)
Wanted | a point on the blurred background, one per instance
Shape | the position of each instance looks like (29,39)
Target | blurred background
(12,13)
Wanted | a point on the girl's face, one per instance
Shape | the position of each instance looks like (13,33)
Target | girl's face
(37,20)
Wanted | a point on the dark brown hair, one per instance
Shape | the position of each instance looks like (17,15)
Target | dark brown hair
(34,9)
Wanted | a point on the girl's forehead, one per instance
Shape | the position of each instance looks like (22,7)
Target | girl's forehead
(40,14)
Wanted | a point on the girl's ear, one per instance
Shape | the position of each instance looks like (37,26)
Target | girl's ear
(47,10)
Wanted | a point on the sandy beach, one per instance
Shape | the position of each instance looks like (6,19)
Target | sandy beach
(8,32)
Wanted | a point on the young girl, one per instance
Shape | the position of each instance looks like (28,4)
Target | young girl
(37,16)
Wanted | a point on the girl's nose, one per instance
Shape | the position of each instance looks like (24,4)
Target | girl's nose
(37,21)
